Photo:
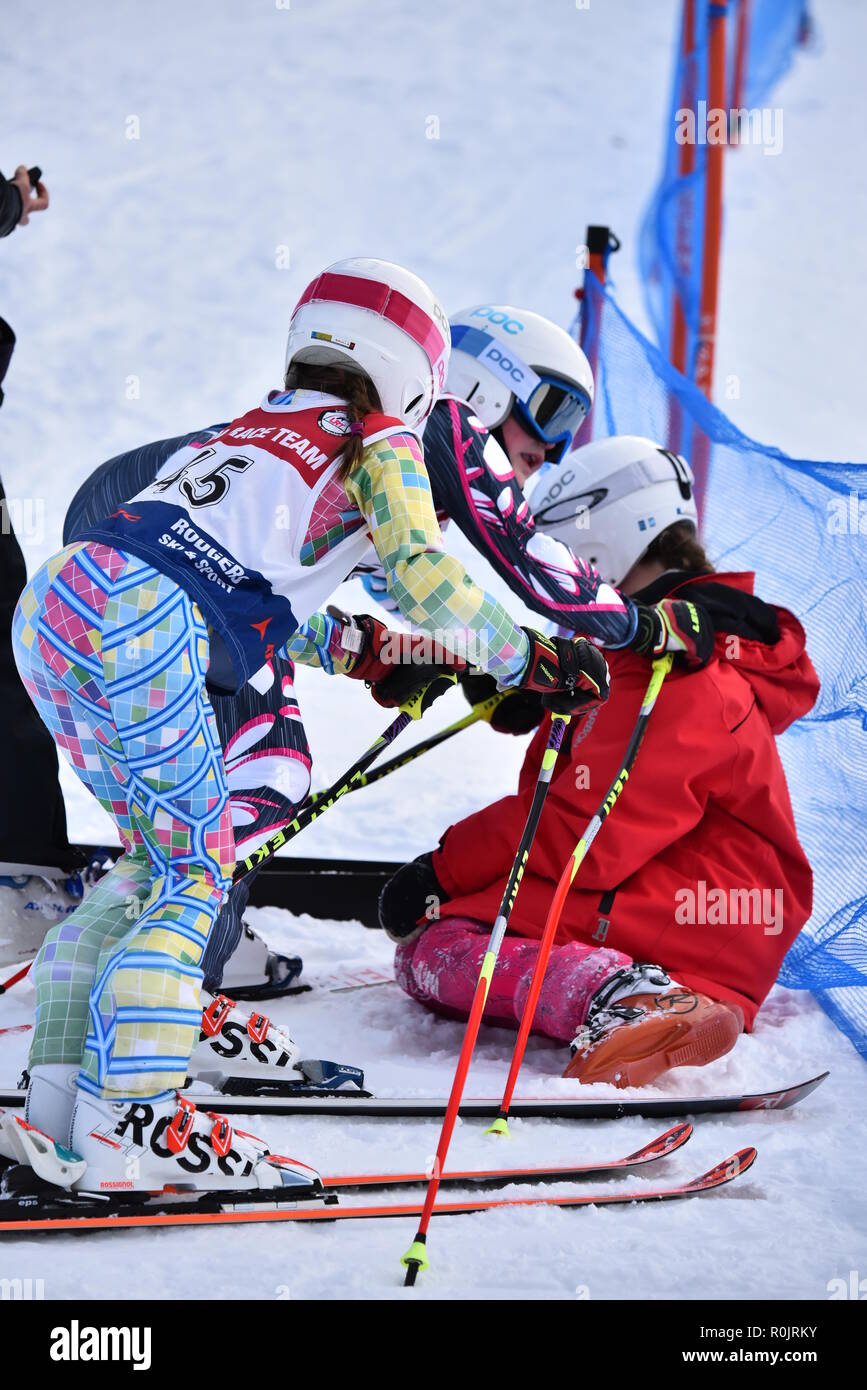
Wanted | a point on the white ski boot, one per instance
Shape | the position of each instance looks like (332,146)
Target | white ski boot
(22,1143)
(52,1091)
(255,972)
(151,1145)
(248,1054)
(40,1137)
(234,1046)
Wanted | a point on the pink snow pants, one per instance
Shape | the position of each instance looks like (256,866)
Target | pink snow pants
(441,967)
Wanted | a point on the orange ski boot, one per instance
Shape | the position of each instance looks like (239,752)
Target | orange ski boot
(641,1024)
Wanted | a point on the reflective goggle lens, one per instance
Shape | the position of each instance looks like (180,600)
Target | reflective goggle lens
(554,409)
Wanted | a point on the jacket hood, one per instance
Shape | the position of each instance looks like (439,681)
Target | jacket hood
(766,644)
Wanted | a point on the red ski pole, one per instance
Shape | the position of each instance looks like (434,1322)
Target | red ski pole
(661,668)
(416,1256)
(13,979)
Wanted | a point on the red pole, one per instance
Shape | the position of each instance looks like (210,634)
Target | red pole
(683,247)
(601,241)
(13,979)
(739,76)
(552,922)
(659,671)
(712,238)
(416,1257)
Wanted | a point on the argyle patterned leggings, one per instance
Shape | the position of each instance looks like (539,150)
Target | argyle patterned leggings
(114,656)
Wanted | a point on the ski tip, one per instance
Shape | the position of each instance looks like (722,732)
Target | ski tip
(415,1259)
(672,1139)
(500,1127)
(785,1098)
(676,1136)
(730,1168)
(796,1093)
(814,1082)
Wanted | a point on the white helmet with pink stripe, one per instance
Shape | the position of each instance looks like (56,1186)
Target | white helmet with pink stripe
(377,318)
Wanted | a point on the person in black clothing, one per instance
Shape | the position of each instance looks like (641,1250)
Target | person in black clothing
(18,200)
(33,833)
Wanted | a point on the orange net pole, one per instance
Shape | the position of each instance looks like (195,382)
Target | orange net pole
(712,237)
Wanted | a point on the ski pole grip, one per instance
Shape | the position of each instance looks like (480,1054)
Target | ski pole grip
(421,701)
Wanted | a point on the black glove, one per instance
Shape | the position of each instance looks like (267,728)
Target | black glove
(413,892)
(397,664)
(675,625)
(570,674)
(518,712)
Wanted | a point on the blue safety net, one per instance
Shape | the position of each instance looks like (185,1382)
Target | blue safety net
(801,525)
(672,229)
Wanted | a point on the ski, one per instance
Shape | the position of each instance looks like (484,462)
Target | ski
(320,1078)
(73,1212)
(309,1101)
(652,1152)
(343,982)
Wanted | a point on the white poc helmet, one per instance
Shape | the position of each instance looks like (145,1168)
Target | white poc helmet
(377,318)
(610,499)
(506,359)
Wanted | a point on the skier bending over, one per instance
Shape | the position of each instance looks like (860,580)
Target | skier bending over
(472,481)
(218,565)
(699,868)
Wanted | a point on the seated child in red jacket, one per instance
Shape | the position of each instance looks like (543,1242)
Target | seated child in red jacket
(680,916)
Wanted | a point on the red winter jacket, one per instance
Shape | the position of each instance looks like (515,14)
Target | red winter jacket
(706,808)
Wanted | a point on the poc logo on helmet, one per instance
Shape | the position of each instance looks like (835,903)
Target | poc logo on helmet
(563,480)
(506,366)
(497,316)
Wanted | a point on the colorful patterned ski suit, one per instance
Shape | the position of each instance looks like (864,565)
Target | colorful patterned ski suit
(114,657)
(114,651)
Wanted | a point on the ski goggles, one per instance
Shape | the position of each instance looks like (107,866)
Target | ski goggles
(553,412)
(548,407)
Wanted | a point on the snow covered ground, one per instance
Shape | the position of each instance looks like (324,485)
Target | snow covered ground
(153,298)
(781,1232)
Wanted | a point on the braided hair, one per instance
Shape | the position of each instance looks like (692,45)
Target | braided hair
(358,392)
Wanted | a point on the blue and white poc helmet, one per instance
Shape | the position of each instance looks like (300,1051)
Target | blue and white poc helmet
(506,359)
